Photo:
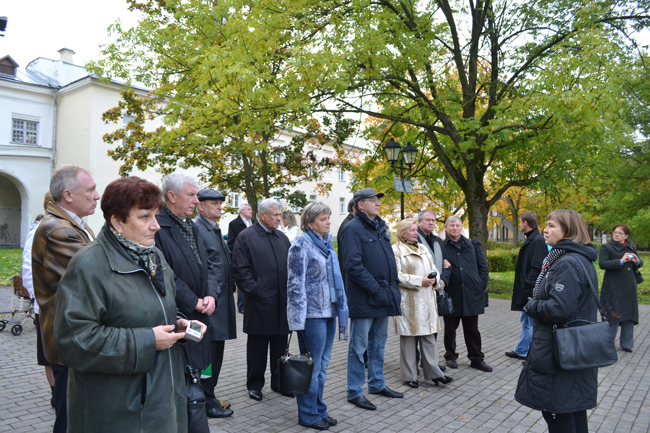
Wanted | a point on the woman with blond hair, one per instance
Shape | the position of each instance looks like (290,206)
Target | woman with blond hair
(562,293)
(290,226)
(419,317)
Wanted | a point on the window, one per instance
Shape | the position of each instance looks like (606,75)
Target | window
(342,207)
(128,132)
(313,198)
(341,175)
(235,199)
(24,132)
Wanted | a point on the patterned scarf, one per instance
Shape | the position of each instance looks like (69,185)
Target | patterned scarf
(143,256)
(186,226)
(550,258)
(412,245)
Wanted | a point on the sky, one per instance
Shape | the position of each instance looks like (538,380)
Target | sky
(40,28)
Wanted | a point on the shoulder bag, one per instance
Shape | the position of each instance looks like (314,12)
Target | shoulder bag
(581,344)
(294,371)
(638,276)
(197,418)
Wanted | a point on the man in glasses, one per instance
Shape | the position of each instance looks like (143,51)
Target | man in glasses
(373,296)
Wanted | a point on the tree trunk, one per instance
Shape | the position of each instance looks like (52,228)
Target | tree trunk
(477,214)
(249,187)
(514,211)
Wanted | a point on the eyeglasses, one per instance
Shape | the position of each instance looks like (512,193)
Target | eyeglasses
(619,233)
(373,200)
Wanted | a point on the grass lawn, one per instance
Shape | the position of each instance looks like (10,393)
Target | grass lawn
(500,284)
(11,263)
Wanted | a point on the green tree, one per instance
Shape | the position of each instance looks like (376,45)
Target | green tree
(216,90)
(501,94)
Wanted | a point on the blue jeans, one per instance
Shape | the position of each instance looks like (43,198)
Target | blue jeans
(319,338)
(526,334)
(366,334)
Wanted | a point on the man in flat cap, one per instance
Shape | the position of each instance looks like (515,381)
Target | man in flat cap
(222,321)
(373,296)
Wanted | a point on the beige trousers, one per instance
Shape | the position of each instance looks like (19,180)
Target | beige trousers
(428,354)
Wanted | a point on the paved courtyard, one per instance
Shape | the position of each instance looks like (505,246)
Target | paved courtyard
(474,402)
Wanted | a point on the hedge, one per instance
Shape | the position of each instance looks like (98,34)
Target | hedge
(502,260)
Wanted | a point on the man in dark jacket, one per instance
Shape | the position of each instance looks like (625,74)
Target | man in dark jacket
(222,321)
(180,242)
(60,235)
(467,288)
(339,234)
(259,266)
(373,296)
(529,265)
(236,226)
(426,225)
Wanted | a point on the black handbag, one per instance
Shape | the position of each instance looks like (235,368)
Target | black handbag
(581,344)
(197,418)
(638,276)
(294,371)
(445,306)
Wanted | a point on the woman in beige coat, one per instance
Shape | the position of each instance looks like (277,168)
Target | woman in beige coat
(419,317)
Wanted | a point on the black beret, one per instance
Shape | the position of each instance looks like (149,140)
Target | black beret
(210,194)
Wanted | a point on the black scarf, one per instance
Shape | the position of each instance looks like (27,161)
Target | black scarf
(550,258)
(186,226)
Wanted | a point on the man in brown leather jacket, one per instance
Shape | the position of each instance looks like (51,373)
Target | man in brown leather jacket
(60,235)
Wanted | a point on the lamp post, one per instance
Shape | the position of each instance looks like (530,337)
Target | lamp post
(409,153)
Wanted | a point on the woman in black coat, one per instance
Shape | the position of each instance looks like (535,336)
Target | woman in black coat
(619,259)
(561,294)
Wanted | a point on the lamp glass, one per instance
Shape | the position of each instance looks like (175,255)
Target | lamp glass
(392,149)
(410,153)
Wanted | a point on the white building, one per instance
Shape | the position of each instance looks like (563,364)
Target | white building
(50,116)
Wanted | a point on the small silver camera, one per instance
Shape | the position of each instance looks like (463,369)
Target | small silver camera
(193,331)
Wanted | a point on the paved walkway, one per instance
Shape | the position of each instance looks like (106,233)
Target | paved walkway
(474,402)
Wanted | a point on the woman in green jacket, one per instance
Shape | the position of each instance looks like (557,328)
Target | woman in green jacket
(116,325)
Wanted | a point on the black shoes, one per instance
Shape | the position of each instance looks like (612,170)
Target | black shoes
(481,365)
(320,425)
(331,421)
(413,384)
(219,412)
(363,403)
(442,368)
(625,349)
(255,394)
(387,392)
(443,380)
(451,363)
(514,355)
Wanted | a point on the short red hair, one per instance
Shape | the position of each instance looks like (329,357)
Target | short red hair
(126,193)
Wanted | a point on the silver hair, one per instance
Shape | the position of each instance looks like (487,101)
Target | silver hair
(243,206)
(67,177)
(421,214)
(174,183)
(311,212)
(452,219)
(266,205)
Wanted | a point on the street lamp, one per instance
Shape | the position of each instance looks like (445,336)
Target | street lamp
(409,154)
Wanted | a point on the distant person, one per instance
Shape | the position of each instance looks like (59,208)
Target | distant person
(259,266)
(339,234)
(223,324)
(373,296)
(562,293)
(29,285)
(529,265)
(290,226)
(61,233)
(618,295)
(467,285)
(236,226)
(435,245)
(116,325)
(315,298)
(419,319)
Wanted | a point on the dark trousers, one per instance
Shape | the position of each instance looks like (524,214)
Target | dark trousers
(60,398)
(216,355)
(257,348)
(472,338)
(575,422)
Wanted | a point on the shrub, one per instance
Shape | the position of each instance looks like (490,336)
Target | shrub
(502,260)
(494,245)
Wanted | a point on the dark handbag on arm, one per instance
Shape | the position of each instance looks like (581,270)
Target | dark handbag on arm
(445,306)
(294,371)
(580,344)
(197,418)
(638,276)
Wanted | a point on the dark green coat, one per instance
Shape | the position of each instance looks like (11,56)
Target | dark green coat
(619,293)
(105,312)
